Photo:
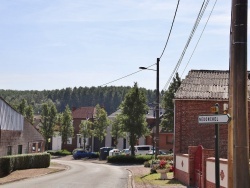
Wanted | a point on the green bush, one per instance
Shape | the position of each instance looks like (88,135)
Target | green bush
(124,159)
(63,152)
(11,163)
(147,164)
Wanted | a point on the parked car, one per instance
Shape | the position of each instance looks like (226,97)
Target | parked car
(125,152)
(114,152)
(142,149)
(151,152)
(80,153)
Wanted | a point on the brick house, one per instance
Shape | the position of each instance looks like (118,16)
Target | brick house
(79,114)
(199,91)
(17,134)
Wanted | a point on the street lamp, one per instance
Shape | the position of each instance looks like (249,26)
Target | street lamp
(157,105)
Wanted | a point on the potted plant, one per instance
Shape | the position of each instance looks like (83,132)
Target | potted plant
(163,168)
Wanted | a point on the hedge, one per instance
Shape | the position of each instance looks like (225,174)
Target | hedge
(127,159)
(11,163)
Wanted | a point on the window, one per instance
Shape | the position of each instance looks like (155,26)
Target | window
(69,141)
(20,149)
(39,147)
(34,147)
(9,150)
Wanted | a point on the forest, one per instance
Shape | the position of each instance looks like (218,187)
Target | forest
(108,97)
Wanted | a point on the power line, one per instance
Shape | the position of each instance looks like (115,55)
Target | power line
(125,76)
(161,53)
(199,37)
(170,29)
(201,12)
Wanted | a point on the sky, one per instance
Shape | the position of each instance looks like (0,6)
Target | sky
(55,44)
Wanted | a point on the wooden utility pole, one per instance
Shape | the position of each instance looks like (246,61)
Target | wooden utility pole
(230,110)
(238,94)
(157,145)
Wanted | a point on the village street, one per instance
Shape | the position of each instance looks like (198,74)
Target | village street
(78,174)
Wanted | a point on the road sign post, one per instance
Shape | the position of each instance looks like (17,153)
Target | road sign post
(217,161)
(215,119)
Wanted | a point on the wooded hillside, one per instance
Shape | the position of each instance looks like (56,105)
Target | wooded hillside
(109,97)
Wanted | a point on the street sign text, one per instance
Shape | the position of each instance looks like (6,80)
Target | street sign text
(214,119)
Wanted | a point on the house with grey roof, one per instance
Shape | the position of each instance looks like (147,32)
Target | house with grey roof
(17,134)
(199,91)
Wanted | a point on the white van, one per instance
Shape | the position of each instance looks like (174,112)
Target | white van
(142,149)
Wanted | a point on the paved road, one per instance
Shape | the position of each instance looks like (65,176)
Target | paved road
(80,174)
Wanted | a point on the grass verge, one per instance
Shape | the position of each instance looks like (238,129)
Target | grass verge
(154,179)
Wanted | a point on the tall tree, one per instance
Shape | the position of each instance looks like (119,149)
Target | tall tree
(48,120)
(29,111)
(66,129)
(167,121)
(101,123)
(133,116)
(116,130)
(86,130)
(22,106)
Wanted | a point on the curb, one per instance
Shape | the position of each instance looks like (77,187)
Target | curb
(131,183)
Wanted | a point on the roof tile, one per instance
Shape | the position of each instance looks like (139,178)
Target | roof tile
(83,113)
(204,84)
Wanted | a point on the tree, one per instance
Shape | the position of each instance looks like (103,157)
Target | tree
(116,130)
(22,106)
(167,122)
(86,130)
(133,116)
(26,110)
(101,123)
(66,128)
(29,111)
(48,120)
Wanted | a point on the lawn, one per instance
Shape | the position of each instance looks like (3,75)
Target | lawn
(154,179)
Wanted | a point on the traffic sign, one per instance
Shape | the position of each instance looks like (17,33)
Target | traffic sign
(214,119)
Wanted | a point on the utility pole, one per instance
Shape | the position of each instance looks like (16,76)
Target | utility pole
(230,111)
(157,113)
(157,139)
(238,93)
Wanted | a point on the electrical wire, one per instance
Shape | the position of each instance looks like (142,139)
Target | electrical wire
(170,28)
(199,37)
(161,53)
(201,12)
(125,76)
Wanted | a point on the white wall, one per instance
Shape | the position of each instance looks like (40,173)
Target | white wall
(182,163)
(56,142)
(108,137)
(210,171)
(108,140)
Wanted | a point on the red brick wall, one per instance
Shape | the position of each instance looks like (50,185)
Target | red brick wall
(163,144)
(26,138)
(211,185)
(191,157)
(189,133)
(76,123)
(182,176)
(71,147)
